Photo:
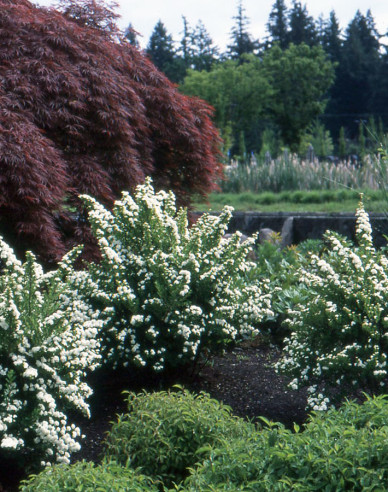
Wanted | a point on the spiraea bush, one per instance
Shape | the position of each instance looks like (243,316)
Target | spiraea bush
(340,332)
(165,433)
(343,449)
(169,291)
(48,339)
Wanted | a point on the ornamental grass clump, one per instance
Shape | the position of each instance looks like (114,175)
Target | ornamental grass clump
(169,291)
(47,342)
(340,332)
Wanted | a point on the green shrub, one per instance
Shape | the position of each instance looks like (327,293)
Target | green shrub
(169,291)
(164,432)
(280,267)
(47,342)
(297,197)
(340,332)
(88,477)
(344,449)
(266,198)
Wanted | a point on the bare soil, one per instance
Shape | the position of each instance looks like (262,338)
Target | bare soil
(243,378)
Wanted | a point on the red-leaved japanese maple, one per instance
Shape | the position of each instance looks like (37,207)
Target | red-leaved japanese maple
(83,113)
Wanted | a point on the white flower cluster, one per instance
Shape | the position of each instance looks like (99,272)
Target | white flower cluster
(48,340)
(341,332)
(169,291)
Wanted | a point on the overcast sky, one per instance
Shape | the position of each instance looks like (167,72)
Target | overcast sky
(217,15)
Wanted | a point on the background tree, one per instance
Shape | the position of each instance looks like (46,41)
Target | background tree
(80,113)
(239,93)
(357,72)
(301,26)
(186,48)
(204,53)
(131,35)
(242,42)
(277,25)
(331,38)
(300,77)
(162,53)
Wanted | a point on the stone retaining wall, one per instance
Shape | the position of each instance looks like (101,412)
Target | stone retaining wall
(302,226)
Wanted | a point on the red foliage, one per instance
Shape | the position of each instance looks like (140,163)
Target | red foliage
(81,113)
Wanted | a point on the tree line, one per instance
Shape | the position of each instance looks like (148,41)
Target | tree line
(306,81)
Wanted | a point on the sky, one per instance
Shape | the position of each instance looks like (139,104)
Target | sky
(217,15)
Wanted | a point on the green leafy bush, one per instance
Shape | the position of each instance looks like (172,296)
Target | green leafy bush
(88,477)
(47,342)
(345,449)
(164,433)
(340,332)
(169,291)
(280,268)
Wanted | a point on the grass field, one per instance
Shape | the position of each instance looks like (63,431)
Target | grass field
(331,201)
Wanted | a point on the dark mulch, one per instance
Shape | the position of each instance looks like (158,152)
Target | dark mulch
(243,378)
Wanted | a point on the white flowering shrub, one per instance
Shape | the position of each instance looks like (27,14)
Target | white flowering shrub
(169,291)
(340,333)
(47,341)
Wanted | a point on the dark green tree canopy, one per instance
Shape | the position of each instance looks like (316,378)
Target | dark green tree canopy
(277,25)
(242,42)
(204,53)
(301,25)
(161,50)
(300,77)
(131,35)
(331,39)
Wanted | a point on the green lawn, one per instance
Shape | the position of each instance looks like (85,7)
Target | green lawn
(297,201)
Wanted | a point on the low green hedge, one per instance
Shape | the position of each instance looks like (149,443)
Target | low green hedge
(344,449)
(193,443)
(164,433)
(85,476)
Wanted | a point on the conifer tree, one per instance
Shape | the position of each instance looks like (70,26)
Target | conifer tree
(131,35)
(277,25)
(357,72)
(204,53)
(241,39)
(301,26)
(186,47)
(161,50)
(331,40)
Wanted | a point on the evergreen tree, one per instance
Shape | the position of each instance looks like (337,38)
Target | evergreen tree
(302,27)
(131,35)
(379,102)
(277,25)
(331,38)
(241,39)
(186,48)
(161,51)
(357,72)
(204,53)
